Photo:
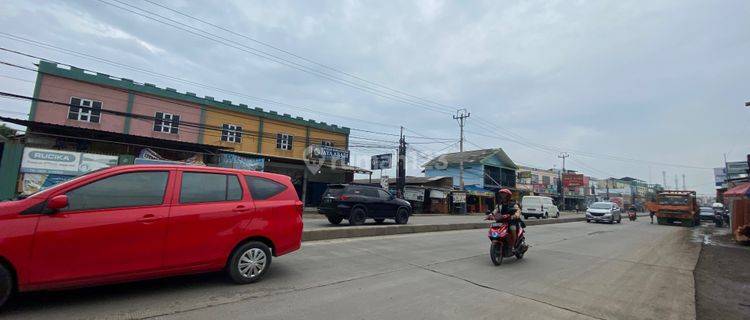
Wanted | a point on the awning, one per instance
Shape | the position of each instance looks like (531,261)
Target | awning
(742,190)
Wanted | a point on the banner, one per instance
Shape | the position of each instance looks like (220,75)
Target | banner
(414,194)
(573,180)
(59,162)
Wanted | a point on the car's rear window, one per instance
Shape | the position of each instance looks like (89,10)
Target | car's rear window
(333,191)
(262,188)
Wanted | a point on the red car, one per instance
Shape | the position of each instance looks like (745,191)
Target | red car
(137,222)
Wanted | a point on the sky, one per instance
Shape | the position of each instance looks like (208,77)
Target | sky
(626,88)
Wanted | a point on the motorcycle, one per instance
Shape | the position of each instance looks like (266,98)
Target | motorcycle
(500,247)
(632,215)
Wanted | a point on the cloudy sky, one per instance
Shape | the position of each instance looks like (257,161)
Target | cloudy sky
(627,88)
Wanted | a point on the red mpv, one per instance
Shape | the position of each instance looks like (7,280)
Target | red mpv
(146,221)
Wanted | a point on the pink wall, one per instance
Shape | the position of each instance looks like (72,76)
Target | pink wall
(61,89)
(145,105)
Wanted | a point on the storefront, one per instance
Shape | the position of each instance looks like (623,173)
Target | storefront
(479,199)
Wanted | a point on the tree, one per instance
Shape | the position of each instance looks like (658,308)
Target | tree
(6,131)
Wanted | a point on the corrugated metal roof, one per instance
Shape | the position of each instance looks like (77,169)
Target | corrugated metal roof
(474,156)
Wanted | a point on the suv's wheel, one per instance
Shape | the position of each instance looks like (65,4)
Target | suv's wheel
(6,285)
(379,220)
(546,215)
(334,219)
(357,216)
(249,262)
(402,216)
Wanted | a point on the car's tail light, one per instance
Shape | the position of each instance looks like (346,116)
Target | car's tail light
(344,197)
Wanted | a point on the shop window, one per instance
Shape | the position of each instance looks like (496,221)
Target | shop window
(262,188)
(231,133)
(284,141)
(166,122)
(209,187)
(327,143)
(84,110)
(125,190)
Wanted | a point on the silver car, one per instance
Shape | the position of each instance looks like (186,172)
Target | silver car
(603,212)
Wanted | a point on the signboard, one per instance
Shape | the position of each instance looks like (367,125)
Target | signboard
(59,162)
(381,161)
(573,180)
(414,194)
(50,161)
(320,152)
(459,197)
(524,175)
(33,182)
(384,182)
(438,194)
(235,161)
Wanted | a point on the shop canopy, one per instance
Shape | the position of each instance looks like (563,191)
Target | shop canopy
(742,190)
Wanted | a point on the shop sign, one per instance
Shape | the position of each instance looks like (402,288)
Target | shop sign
(381,161)
(414,194)
(524,175)
(438,194)
(573,180)
(63,162)
(459,197)
(230,160)
(320,152)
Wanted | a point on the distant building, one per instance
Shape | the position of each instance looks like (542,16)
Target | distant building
(489,169)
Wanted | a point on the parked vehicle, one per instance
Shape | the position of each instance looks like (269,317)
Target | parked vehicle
(707,214)
(500,246)
(677,205)
(357,203)
(539,207)
(136,222)
(603,212)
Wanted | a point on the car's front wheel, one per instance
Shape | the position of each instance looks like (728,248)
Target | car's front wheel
(249,262)
(6,285)
(402,216)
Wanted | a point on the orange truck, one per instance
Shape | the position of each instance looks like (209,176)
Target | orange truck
(676,205)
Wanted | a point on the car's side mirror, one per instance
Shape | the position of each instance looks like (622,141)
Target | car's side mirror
(57,202)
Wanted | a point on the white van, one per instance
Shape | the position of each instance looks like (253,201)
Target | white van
(539,207)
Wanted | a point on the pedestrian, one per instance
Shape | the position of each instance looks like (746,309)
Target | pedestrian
(651,214)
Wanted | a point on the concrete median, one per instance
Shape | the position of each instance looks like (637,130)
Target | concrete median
(327,232)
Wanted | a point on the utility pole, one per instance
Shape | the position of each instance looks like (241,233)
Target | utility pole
(562,190)
(664,179)
(461,115)
(676,186)
(726,172)
(401,171)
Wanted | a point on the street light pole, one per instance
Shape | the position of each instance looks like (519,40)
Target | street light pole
(562,190)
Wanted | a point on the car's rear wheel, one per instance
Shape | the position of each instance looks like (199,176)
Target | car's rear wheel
(249,262)
(357,216)
(6,285)
(334,219)
(402,216)
(379,220)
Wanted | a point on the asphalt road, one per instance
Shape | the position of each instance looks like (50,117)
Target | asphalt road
(633,270)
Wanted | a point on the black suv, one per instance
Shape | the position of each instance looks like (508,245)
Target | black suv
(356,203)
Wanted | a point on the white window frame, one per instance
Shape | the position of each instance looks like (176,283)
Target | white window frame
(230,133)
(166,122)
(85,110)
(283,141)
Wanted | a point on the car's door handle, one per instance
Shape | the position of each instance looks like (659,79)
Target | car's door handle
(148,218)
(241,208)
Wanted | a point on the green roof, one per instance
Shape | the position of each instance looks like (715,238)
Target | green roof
(79,74)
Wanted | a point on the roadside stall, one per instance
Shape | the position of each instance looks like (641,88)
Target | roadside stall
(738,201)
(458,202)
(439,202)
(479,199)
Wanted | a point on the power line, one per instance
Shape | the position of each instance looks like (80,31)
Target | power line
(259,53)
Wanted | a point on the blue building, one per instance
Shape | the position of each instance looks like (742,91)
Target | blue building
(489,169)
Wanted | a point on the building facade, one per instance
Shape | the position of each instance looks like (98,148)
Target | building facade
(177,126)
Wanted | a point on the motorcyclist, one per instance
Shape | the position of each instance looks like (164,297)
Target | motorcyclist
(506,206)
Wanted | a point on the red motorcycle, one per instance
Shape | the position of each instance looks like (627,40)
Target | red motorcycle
(501,248)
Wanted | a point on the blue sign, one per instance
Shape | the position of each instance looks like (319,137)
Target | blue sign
(235,161)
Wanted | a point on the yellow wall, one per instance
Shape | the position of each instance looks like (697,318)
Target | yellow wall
(249,142)
(250,124)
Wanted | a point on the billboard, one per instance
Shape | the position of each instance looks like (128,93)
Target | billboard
(47,161)
(573,180)
(381,161)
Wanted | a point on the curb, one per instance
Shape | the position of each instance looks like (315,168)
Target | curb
(374,231)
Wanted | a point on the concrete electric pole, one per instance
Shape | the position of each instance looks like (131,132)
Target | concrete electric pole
(461,115)
(684,187)
(664,179)
(401,170)
(676,183)
(562,185)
